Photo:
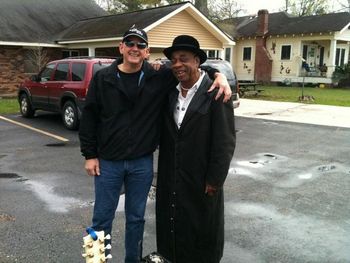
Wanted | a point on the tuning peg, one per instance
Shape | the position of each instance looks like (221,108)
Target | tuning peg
(89,245)
(108,237)
(108,246)
(102,260)
(90,255)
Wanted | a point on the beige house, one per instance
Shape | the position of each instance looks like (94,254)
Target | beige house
(101,35)
(274,47)
(94,33)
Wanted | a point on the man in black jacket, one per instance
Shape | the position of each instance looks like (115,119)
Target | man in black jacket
(196,146)
(119,132)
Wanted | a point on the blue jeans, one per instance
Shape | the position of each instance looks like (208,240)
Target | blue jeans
(137,175)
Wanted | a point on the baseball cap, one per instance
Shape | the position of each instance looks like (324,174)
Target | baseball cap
(134,31)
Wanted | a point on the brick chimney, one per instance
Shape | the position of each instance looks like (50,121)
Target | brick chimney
(263,22)
(263,60)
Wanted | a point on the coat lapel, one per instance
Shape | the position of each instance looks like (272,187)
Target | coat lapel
(198,99)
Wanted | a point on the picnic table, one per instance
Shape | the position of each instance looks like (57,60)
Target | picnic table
(249,88)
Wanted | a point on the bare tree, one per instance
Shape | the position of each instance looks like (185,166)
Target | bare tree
(202,5)
(36,58)
(223,9)
(307,7)
(345,7)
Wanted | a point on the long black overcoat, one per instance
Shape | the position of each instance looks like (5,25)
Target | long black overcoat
(190,224)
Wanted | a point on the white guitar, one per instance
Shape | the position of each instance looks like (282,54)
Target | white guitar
(94,246)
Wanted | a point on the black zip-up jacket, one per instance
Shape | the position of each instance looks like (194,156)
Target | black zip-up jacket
(113,127)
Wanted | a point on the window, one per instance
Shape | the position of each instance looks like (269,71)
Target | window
(61,72)
(247,53)
(70,53)
(340,56)
(98,66)
(286,52)
(228,54)
(78,71)
(213,53)
(45,75)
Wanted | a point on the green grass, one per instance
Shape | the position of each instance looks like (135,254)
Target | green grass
(8,106)
(324,96)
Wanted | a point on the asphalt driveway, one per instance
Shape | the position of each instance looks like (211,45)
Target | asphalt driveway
(286,195)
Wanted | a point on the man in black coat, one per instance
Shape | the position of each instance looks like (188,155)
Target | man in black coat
(196,147)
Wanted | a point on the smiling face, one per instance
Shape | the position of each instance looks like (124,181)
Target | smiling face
(134,52)
(184,65)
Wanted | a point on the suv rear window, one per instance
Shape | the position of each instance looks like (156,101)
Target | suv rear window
(78,71)
(98,66)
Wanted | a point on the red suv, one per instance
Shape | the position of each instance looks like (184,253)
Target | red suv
(60,87)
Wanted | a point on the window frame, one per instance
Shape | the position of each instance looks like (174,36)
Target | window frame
(290,52)
(250,55)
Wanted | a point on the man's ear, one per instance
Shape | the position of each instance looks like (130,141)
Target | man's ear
(121,48)
(198,61)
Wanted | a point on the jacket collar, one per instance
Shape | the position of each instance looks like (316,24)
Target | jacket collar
(197,101)
(111,70)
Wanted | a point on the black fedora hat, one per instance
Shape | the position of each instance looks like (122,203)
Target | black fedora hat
(185,42)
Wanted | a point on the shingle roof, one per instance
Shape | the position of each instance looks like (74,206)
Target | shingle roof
(39,20)
(282,23)
(115,25)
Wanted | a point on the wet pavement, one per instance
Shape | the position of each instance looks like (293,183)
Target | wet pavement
(286,194)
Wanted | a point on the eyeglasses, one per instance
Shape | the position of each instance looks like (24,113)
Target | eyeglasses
(140,45)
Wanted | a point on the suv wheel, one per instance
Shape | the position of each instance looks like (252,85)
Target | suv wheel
(25,106)
(70,116)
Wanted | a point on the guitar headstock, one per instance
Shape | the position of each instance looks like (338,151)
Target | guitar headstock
(94,246)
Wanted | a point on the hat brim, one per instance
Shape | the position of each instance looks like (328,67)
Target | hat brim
(134,35)
(199,52)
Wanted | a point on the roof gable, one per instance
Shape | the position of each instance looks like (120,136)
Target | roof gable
(39,20)
(115,25)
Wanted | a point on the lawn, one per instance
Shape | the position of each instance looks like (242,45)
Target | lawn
(8,106)
(324,96)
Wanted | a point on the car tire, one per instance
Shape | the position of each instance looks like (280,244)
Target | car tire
(25,106)
(70,116)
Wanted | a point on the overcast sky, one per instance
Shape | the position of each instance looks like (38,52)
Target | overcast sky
(253,6)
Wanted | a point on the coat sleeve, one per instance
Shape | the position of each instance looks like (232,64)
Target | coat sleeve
(89,122)
(223,142)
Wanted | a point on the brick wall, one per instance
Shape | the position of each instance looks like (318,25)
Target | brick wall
(12,68)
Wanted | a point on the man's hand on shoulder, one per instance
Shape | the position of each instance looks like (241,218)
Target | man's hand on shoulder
(222,84)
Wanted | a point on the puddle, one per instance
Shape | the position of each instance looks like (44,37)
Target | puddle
(263,113)
(58,144)
(9,175)
(271,156)
(326,168)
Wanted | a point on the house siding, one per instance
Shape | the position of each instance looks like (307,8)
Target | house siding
(179,24)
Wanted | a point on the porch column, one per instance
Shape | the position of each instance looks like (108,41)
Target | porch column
(332,52)
(91,51)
